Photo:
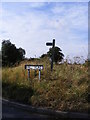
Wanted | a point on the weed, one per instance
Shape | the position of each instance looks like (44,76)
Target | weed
(66,88)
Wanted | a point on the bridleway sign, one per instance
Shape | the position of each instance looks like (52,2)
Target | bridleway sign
(34,67)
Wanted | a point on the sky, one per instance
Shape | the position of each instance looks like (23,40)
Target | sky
(31,24)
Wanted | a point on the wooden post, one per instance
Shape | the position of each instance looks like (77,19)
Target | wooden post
(52,60)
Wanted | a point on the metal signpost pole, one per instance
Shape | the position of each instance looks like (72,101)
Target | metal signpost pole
(39,73)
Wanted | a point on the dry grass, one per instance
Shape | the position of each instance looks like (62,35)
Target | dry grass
(66,88)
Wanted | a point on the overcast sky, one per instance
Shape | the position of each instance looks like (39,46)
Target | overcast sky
(30,25)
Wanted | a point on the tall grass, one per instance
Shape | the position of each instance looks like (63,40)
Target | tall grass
(66,88)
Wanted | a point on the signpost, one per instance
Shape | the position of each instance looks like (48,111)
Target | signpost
(49,44)
(53,46)
(34,67)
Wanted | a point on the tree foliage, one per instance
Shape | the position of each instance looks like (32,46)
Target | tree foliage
(10,54)
(43,55)
(58,55)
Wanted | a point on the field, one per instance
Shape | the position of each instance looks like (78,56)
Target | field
(64,89)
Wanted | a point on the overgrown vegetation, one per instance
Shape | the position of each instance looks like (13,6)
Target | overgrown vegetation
(66,88)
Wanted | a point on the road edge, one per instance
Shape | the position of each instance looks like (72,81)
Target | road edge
(45,111)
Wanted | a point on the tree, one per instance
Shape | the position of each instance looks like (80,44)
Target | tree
(10,54)
(21,54)
(58,55)
(43,55)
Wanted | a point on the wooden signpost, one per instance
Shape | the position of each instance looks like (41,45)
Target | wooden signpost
(34,67)
(53,46)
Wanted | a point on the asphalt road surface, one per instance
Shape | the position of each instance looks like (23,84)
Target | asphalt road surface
(9,112)
(13,112)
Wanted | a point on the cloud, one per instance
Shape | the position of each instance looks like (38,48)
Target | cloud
(76,15)
(37,4)
(66,22)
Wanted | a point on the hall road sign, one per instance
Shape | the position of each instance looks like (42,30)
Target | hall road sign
(34,67)
(53,46)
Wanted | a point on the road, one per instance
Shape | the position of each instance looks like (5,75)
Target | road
(13,112)
(10,111)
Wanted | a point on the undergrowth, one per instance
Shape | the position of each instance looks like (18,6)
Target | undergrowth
(65,88)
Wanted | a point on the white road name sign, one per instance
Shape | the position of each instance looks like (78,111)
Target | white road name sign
(39,67)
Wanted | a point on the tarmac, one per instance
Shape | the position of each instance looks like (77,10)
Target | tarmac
(45,111)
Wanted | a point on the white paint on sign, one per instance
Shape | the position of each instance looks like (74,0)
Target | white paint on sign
(34,67)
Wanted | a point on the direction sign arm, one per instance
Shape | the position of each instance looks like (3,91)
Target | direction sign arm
(49,44)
